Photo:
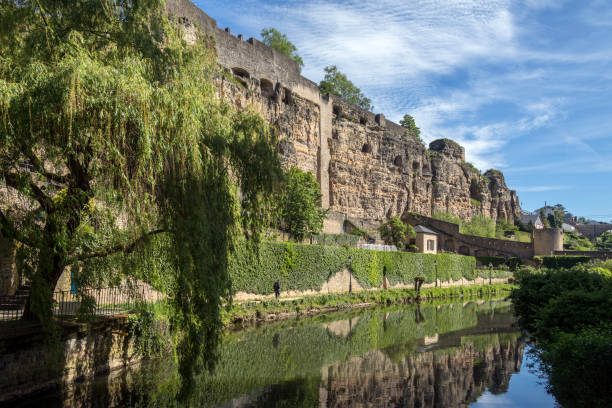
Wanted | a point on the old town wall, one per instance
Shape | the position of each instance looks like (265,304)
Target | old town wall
(368,167)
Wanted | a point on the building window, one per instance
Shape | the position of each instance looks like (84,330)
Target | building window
(431,246)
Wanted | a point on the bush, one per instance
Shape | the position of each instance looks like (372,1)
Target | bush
(561,261)
(569,313)
(579,369)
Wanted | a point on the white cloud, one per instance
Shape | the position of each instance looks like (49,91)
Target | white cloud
(544,4)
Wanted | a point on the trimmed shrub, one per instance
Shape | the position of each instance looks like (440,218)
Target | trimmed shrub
(496,261)
(561,261)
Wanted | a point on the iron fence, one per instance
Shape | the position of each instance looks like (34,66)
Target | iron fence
(98,302)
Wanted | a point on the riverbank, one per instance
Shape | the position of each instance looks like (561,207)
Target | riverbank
(246,313)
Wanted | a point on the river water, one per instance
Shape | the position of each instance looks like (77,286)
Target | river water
(447,355)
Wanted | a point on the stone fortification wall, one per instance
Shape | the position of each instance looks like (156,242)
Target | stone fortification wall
(369,168)
(546,241)
(592,231)
(451,240)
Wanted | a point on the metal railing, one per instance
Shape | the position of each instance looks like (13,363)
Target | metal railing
(98,302)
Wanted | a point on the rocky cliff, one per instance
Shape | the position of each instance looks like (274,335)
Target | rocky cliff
(369,168)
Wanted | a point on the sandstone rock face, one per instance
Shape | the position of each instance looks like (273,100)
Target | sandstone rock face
(376,168)
(369,168)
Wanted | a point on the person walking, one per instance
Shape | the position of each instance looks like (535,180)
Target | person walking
(277,289)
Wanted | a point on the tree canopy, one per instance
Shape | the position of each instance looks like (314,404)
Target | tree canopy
(395,232)
(409,124)
(299,206)
(278,41)
(118,161)
(336,83)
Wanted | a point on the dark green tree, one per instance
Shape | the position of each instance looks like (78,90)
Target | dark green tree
(336,83)
(395,232)
(118,161)
(409,124)
(604,241)
(299,207)
(278,41)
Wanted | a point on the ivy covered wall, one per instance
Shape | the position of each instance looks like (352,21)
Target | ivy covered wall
(307,267)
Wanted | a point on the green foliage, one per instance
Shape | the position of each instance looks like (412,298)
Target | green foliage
(312,265)
(561,261)
(409,124)
(496,261)
(278,41)
(604,241)
(578,368)
(479,225)
(573,241)
(475,202)
(299,206)
(569,312)
(395,232)
(149,329)
(111,137)
(336,83)
(448,217)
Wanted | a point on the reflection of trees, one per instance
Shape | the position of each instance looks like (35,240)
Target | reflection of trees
(314,356)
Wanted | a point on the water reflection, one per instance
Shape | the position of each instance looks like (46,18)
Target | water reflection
(426,356)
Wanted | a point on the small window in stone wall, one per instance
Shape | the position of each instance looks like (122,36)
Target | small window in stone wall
(398,161)
(415,165)
(337,110)
(363,120)
(366,148)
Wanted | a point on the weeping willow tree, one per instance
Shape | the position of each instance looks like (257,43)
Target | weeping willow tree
(117,160)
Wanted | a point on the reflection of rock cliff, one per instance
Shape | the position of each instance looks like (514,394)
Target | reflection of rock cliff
(443,378)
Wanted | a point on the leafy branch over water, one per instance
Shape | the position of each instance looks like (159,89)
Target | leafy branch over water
(119,161)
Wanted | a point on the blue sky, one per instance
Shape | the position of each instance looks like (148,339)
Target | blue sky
(524,85)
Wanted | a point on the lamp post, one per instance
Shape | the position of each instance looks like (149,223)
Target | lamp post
(490,269)
(436,268)
(350,259)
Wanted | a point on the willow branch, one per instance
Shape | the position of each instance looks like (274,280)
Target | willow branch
(119,248)
(8,229)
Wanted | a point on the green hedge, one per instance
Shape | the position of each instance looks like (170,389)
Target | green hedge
(561,261)
(513,263)
(308,267)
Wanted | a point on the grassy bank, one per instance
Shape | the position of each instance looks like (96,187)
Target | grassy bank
(248,312)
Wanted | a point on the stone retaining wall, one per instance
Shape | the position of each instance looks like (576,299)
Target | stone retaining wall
(26,359)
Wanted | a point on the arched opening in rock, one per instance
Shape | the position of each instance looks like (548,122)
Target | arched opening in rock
(288,98)
(337,110)
(363,120)
(398,161)
(415,166)
(241,72)
(267,88)
(366,148)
